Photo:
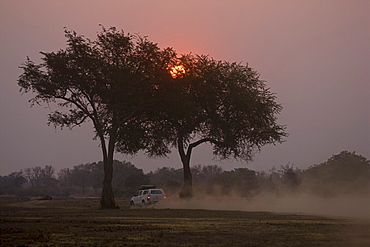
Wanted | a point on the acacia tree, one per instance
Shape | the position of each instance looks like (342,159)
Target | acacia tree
(222,103)
(109,81)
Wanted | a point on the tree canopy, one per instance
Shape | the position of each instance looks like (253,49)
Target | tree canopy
(222,103)
(346,172)
(109,81)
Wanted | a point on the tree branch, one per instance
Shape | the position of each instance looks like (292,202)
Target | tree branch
(79,122)
(197,143)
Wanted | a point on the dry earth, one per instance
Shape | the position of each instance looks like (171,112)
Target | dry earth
(79,222)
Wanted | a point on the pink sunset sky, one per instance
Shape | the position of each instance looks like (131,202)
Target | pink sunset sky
(315,55)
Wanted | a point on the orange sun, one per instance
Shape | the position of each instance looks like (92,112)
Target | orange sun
(177,70)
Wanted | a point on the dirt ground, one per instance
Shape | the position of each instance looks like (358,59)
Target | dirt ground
(80,222)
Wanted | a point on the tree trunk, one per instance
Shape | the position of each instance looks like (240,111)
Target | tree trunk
(107,198)
(187,189)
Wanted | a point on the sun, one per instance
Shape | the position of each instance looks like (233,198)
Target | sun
(177,71)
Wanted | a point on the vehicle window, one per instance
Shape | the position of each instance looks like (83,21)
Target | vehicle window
(145,192)
(137,193)
(156,192)
(141,192)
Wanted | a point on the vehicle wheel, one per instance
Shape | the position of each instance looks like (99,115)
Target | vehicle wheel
(143,202)
(132,204)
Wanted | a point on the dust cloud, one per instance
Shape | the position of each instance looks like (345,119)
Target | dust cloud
(339,187)
(348,207)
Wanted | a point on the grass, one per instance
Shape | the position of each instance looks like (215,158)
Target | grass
(79,222)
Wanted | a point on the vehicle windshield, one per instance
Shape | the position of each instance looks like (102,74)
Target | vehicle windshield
(156,192)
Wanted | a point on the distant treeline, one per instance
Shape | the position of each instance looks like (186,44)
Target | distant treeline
(343,174)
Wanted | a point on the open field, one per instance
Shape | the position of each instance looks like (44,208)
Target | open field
(79,222)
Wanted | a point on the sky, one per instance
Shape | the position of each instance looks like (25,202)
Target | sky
(313,54)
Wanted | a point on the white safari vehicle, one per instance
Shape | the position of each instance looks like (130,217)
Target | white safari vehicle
(147,194)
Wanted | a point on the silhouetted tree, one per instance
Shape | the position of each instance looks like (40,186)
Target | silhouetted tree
(168,178)
(33,175)
(81,177)
(47,177)
(97,176)
(14,179)
(205,176)
(217,102)
(241,181)
(64,177)
(265,182)
(128,178)
(109,81)
(343,173)
(290,176)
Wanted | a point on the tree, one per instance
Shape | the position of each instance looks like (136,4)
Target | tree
(240,181)
(109,81)
(168,178)
(47,176)
(64,176)
(127,178)
(14,179)
(217,102)
(33,175)
(80,176)
(40,177)
(204,177)
(97,175)
(290,176)
(343,173)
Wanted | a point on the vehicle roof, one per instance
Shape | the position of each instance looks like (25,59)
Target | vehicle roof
(148,186)
(153,189)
